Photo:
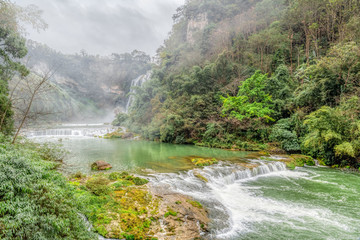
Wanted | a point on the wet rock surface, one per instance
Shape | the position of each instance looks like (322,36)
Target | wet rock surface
(180,217)
(100,166)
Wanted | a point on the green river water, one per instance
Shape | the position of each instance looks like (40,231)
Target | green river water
(268,202)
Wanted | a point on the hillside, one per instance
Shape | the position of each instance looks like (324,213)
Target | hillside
(258,75)
(85,86)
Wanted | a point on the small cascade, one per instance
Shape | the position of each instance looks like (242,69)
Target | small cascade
(209,192)
(137,82)
(70,131)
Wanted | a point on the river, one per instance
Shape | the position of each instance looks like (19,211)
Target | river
(264,202)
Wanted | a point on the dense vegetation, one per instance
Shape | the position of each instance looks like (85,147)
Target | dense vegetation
(36,202)
(242,74)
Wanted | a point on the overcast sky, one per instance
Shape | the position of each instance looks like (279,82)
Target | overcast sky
(104,26)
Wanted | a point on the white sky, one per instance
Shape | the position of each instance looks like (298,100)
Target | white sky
(104,26)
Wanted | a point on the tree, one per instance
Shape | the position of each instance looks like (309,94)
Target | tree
(34,86)
(333,133)
(251,101)
(12,49)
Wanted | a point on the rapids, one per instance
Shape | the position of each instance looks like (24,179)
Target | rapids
(246,198)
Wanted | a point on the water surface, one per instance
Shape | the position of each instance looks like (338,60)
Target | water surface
(266,202)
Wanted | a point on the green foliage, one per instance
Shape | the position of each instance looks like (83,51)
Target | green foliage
(120,119)
(284,133)
(201,162)
(35,200)
(170,212)
(140,181)
(195,203)
(308,52)
(333,134)
(251,101)
(98,185)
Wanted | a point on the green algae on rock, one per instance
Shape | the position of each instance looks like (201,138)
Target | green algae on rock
(120,205)
(201,162)
(100,166)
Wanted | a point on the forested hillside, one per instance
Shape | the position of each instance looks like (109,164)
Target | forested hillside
(258,75)
(84,86)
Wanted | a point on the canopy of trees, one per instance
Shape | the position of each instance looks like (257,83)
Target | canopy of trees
(256,72)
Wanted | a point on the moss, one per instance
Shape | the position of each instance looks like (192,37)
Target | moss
(122,183)
(116,134)
(201,162)
(170,212)
(264,153)
(198,175)
(178,202)
(98,185)
(299,161)
(195,203)
(291,165)
(74,183)
(78,175)
(140,181)
(117,207)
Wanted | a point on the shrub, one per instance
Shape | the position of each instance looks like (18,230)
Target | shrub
(98,185)
(140,181)
(36,202)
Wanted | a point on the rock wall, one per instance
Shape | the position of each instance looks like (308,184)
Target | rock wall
(196,25)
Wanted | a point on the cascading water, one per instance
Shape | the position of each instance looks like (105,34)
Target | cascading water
(137,82)
(238,208)
(208,192)
(71,130)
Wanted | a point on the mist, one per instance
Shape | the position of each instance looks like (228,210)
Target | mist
(110,27)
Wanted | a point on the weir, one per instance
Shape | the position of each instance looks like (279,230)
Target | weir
(71,130)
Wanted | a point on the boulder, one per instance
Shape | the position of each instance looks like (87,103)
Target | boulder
(100,166)
(128,135)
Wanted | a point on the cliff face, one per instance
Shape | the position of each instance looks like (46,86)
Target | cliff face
(195,26)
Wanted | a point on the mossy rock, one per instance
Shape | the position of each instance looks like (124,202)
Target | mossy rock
(116,134)
(100,166)
(201,177)
(264,153)
(195,203)
(98,185)
(170,212)
(303,159)
(201,162)
(300,161)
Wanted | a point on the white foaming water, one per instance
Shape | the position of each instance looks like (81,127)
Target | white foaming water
(71,130)
(235,206)
(137,82)
(219,177)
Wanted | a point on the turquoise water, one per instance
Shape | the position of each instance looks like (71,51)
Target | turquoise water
(267,202)
(137,156)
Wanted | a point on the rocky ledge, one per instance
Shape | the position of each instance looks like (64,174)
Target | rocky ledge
(123,206)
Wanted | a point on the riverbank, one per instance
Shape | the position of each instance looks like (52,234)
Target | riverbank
(122,206)
(212,201)
(36,201)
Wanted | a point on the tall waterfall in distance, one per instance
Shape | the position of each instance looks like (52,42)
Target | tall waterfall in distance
(137,82)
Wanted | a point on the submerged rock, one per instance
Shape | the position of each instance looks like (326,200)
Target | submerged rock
(100,166)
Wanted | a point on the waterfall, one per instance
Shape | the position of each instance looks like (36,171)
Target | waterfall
(137,82)
(71,130)
(219,188)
